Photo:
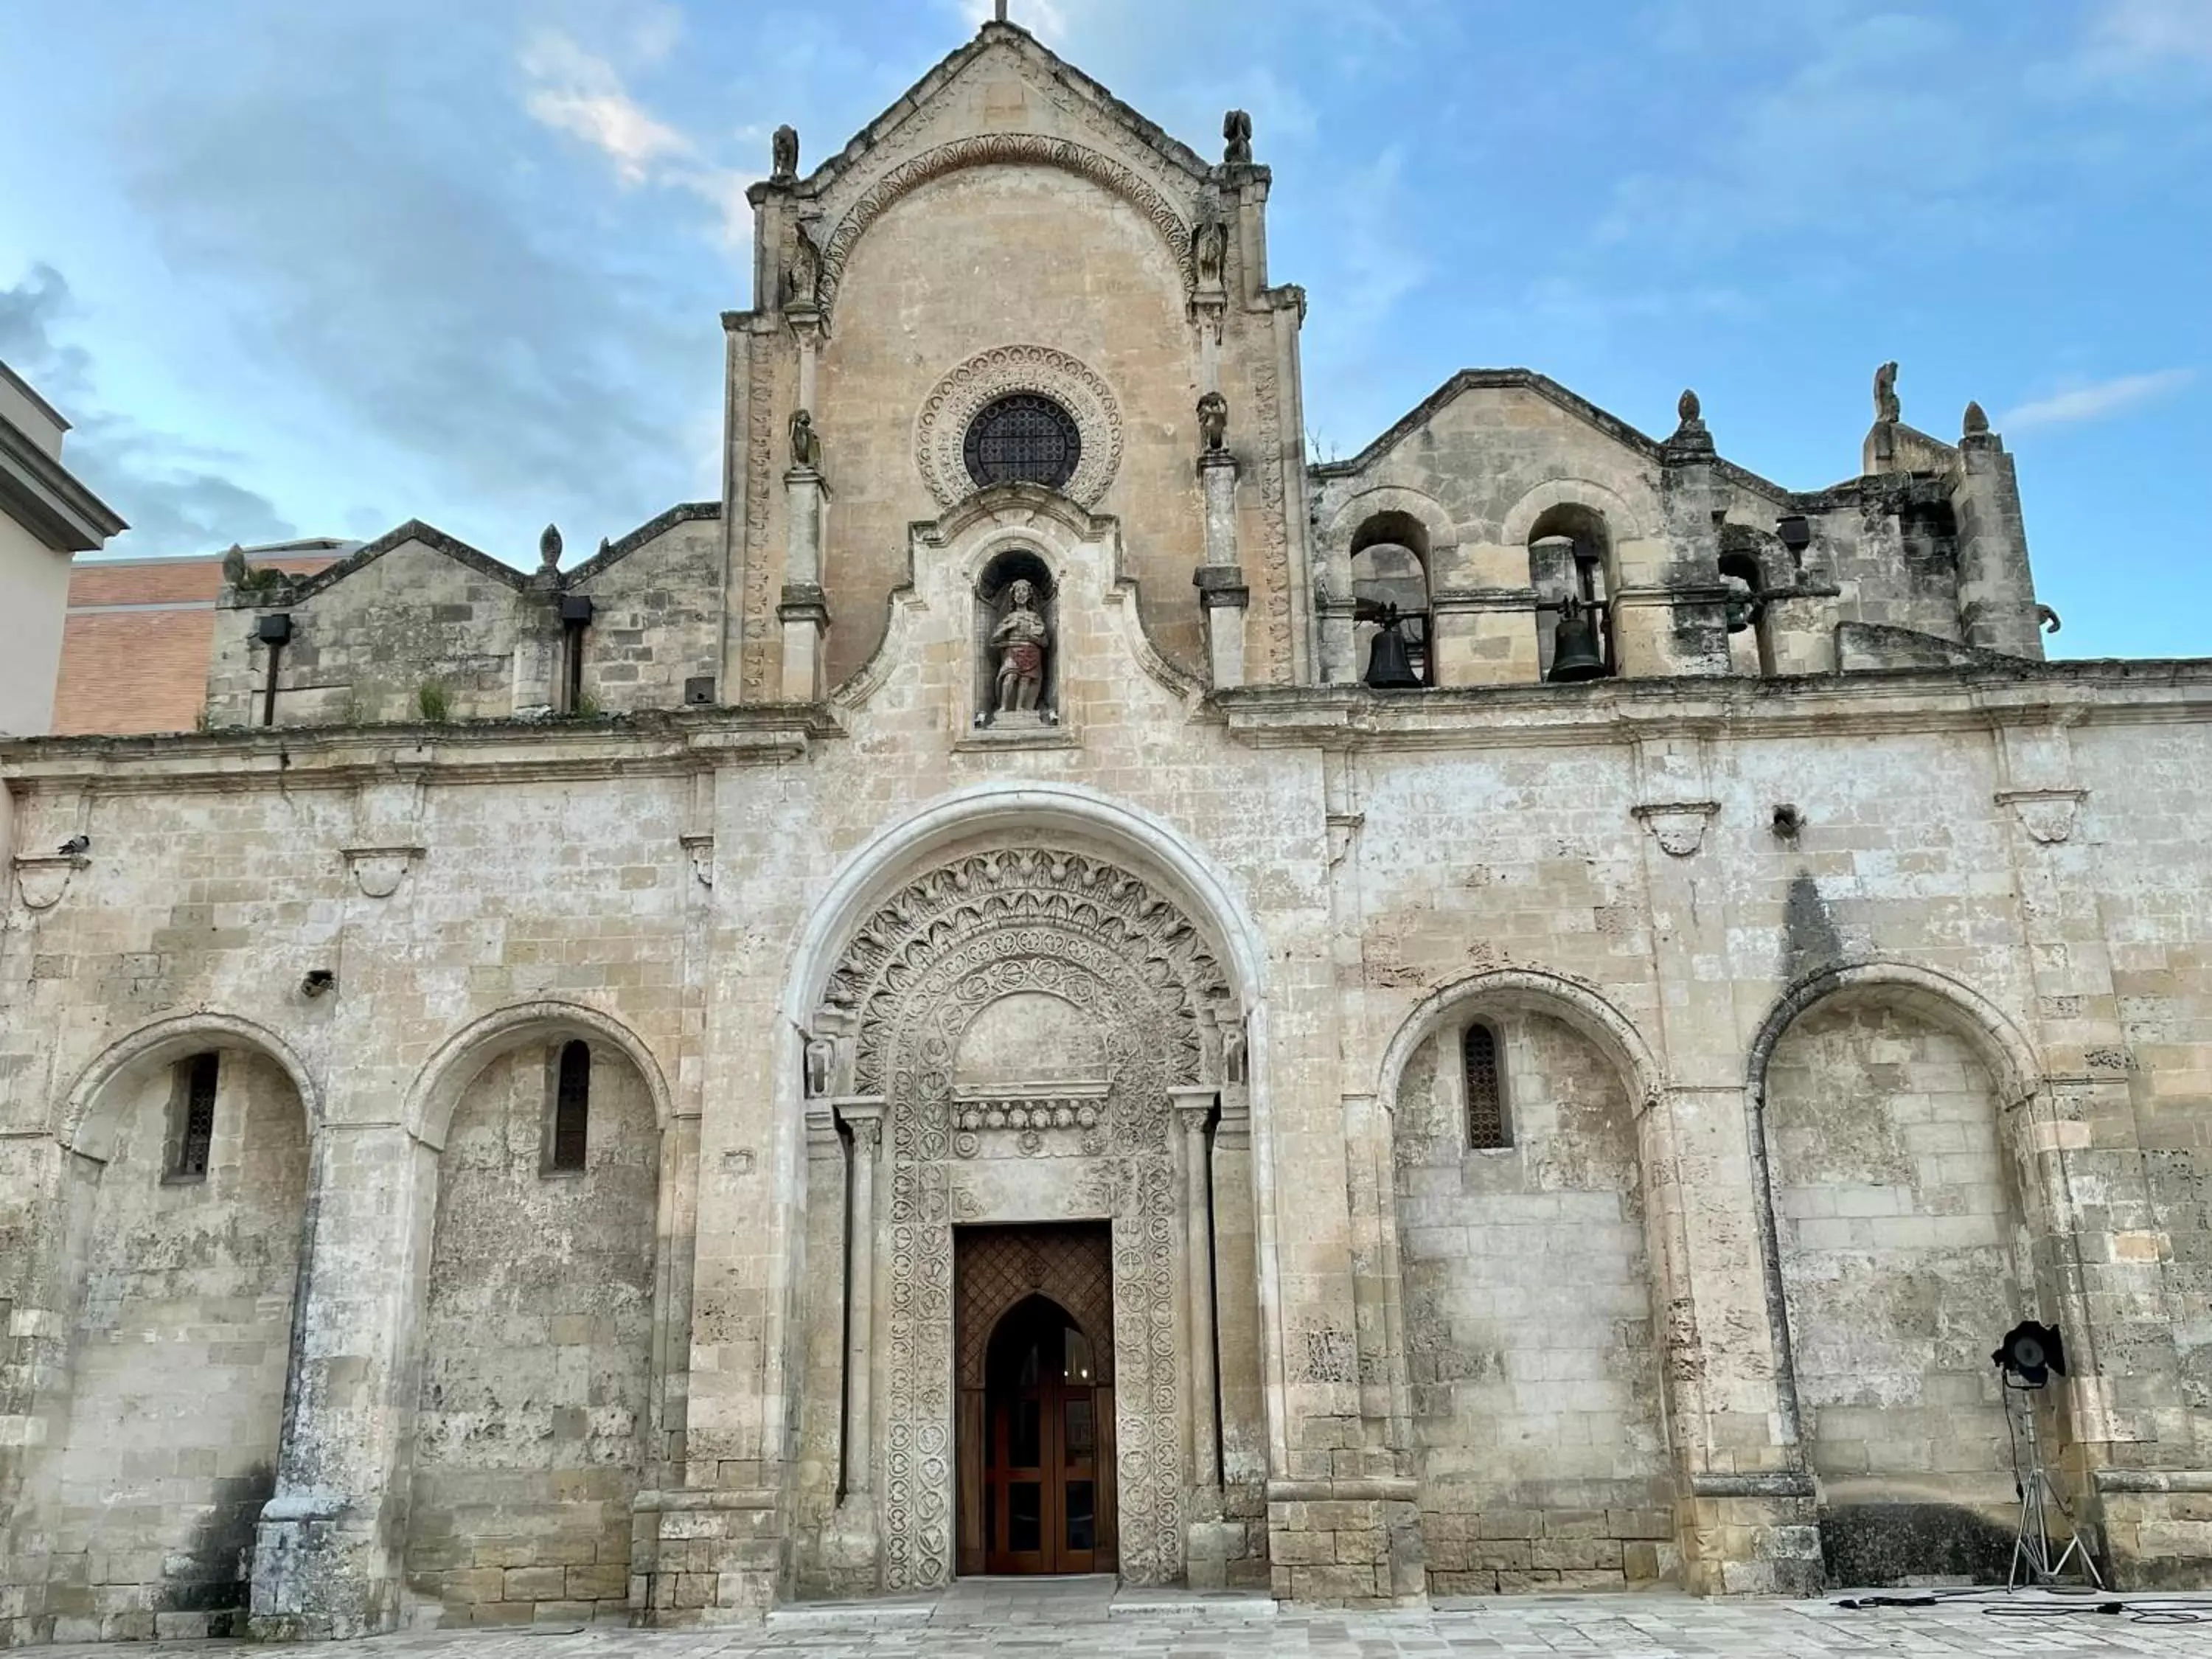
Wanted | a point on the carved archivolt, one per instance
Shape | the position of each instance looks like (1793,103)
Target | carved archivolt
(953,403)
(988,147)
(917,974)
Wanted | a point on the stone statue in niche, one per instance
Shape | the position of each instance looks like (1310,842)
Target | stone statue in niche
(1021,640)
(783,155)
(805,442)
(1887,404)
(1237,130)
(804,278)
(1210,255)
(821,1055)
(1232,1052)
(1213,421)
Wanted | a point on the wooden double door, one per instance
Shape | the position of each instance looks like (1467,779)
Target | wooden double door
(1035,1441)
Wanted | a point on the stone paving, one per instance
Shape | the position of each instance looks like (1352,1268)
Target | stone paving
(1089,1619)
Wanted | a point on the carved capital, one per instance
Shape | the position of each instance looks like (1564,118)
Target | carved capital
(864,1117)
(1193,1106)
(701,849)
(1679,825)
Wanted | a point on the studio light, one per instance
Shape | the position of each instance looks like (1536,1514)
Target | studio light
(2029,1353)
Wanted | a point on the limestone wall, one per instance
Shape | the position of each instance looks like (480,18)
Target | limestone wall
(1533,1360)
(140,1523)
(532,1433)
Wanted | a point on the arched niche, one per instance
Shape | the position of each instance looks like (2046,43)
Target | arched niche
(1888,1104)
(1392,569)
(1572,556)
(1528,1277)
(1028,1011)
(183,1230)
(537,1405)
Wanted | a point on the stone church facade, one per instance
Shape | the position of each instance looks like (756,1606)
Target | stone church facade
(1046,985)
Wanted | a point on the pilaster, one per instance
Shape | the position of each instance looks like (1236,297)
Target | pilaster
(1997,610)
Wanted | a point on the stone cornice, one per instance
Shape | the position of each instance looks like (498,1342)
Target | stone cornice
(1611,712)
(45,497)
(480,751)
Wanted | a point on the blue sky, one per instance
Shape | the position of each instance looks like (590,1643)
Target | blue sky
(318,268)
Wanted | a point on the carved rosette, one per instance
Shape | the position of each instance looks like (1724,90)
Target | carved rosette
(941,432)
(916,975)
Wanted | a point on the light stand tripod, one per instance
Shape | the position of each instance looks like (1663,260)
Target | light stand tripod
(2031,1549)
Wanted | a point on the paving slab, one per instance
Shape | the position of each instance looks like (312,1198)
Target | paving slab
(1091,1618)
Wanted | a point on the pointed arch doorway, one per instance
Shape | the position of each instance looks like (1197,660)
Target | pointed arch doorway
(1036,1401)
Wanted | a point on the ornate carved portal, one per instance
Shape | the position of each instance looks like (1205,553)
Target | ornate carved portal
(1030,1020)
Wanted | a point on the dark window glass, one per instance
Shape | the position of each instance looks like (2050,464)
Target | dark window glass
(195,1124)
(572,1107)
(1026,1449)
(1082,1516)
(1024,439)
(1024,1516)
(1485,1090)
(1081,1437)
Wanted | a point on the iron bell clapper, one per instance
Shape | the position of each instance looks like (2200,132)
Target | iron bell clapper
(1574,651)
(1389,666)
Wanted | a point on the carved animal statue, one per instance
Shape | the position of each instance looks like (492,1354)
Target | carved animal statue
(805,442)
(805,275)
(783,154)
(1237,129)
(1886,407)
(1213,421)
(1210,254)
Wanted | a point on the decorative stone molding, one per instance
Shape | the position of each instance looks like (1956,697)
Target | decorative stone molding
(378,871)
(2047,815)
(40,882)
(914,975)
(986,150)
(1679,825)
(940,431)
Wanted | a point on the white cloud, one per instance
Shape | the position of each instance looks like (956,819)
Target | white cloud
(581,95)
(2095,402)
(2156,31)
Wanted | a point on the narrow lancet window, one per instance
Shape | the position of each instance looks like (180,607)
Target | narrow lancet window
(194,1134)
(572,1107)
(1485,1089)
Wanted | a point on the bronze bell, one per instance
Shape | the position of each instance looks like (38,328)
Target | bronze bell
(1574,651)
(1389,665)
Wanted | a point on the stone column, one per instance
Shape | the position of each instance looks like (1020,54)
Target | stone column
(325,1561)
(804,612)
(1744,1503)
(2095,1239)
(1222,594)
(1996,588)
(1194,1109)
(865,1118)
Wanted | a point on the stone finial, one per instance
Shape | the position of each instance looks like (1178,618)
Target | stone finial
(1237,130)
(1213,421)
(783,155)
(1886,407)
(1978,421)
(549,548)
(1691,437)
